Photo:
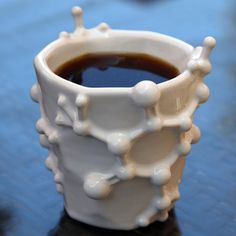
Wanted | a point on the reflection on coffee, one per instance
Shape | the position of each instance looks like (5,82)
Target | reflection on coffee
(116,69)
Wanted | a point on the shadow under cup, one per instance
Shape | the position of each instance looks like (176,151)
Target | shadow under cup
(118,154)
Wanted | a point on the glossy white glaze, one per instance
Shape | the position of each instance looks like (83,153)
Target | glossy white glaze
(118,154)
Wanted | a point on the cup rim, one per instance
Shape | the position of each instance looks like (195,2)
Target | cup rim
(40,61)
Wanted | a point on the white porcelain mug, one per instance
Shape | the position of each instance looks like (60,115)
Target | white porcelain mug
(118,154)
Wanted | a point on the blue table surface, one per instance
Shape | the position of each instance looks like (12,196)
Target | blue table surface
(29,203)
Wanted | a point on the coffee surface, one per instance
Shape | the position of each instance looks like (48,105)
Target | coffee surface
(116,69)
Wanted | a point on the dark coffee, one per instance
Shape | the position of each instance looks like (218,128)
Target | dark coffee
(116,69)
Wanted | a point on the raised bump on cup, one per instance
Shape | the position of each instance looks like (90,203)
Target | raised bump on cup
(64,35)
(58,177)
(146,217)
(82,100)
(59,120)
(77,13)
(146,93)
(143,221)
(126,172)
(185,123)
(154,124)
(208,44)
(68,112)
(35,93)
(49,162)
(96,186)
(62,119)
(202,92)
(59,188)
(196,134)
(184,148)
(81,127)
(118,143)
(199,65)
(204,66)
(61,101)
(44,141)
(163,203)
(176,195)
(53,137)
(163,216)
(103,27)
(40,126)
(193,66)
(161,175)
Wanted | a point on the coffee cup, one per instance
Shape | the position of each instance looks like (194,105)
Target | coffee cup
(118,154)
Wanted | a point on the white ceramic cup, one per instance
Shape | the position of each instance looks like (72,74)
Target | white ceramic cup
(118,154)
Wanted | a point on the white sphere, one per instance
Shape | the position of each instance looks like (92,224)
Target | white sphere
(44,141)
(193,65)
(60,120)
(209,42)
(40,125)
(161,175)
(81,127)
(49,163)
(202,92)
(61,101)
(81,100)
(59,188)
(184,148)
(196,134)
(204,66)
(77,11)
(163,203)
(35,93)
(53,138)
(58,177)
(143,221)
(118,143)
(154,124)
(146,93)
(103,27)
(64,34)
(125,172)
(185,124)
(96,186)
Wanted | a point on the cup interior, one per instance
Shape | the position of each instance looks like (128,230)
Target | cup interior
(169,49)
